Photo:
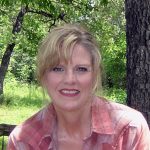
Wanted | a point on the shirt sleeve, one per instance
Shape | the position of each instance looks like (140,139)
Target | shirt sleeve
(13,144)
(143,137)
(137,135)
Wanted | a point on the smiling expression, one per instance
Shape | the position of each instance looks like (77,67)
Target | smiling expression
(70,84)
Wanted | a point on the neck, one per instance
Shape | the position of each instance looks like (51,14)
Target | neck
(74,123)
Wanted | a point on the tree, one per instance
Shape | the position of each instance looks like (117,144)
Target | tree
(50,10)
(10,47)
(95,14)
(138,55)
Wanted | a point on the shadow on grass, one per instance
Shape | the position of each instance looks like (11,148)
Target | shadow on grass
(19,94)
(24,101)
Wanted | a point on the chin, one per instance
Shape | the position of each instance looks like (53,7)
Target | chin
(70,108)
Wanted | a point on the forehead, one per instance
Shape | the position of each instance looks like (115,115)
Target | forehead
(79,55)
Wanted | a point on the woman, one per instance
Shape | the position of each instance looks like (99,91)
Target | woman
(68,69)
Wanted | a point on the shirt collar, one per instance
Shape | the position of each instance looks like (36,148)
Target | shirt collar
(49,124)
(101,120)
(49,121)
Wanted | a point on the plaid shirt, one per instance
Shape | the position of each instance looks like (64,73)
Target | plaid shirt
(114,127)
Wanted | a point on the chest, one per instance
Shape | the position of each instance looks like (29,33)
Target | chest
(94,142)
(70,144)
(88,144)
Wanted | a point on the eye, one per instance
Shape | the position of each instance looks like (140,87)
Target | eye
(58,69)
(82,69)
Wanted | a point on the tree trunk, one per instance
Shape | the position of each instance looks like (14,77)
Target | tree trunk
(138,55)
(7,54)
(4,64)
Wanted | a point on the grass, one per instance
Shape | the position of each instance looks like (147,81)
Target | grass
(5,138)
(22,100)
(15,115)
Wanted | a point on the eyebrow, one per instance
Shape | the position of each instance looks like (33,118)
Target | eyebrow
(86,65)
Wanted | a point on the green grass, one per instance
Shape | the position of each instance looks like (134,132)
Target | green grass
(5,141)
(15,114)
(20,101)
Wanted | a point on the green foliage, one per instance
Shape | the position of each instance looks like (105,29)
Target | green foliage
(108,25)
(105,19)
(104,2)
(2,99)
(5,28)
(116,95)
(23,71)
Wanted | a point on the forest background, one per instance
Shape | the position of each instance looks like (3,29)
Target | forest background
(22,96)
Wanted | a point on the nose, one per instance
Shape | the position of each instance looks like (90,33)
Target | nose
(70,77)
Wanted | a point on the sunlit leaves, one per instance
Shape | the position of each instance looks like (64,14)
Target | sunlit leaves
(104,2)
(104,18)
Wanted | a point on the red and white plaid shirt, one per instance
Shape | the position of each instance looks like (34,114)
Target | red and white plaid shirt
(114,127)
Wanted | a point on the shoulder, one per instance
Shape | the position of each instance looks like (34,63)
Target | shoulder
(35,126)
(121,115)
(126,124)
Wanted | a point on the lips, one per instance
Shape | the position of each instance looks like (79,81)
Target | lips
(69,92)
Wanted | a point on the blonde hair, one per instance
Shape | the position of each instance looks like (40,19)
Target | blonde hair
(58,45)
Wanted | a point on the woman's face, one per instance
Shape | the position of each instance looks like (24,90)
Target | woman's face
(70,85)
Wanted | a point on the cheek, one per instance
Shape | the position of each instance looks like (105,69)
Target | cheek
(86,82)
(53,81)
(50,82)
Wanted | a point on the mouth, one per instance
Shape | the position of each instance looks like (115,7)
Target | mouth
(69,92)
